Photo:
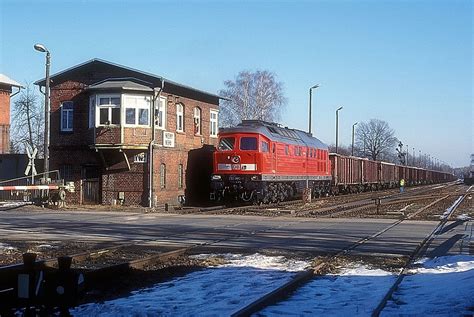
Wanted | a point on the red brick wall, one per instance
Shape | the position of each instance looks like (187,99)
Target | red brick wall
(70,91)
(4,120)
(73,148)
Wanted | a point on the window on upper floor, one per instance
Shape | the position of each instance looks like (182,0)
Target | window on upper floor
(197,121)
(136,110)
(214,130)
(109,109)
(67,113)
(180,117)
(160,113)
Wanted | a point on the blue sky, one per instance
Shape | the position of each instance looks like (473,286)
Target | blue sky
(409,63)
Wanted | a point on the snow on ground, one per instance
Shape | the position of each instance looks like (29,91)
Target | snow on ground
(5,248)
(442,286)
(356,291)
(436,287)
(12,204)
(217,291)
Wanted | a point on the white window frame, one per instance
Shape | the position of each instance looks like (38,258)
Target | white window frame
(136,107)
(197,115)
(180,114)
(214,123)
(65,112)
(161,107)
(110,107)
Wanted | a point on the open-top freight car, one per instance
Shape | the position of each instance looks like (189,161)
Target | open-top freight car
(263,162)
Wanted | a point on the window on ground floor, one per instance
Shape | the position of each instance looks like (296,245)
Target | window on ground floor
(162,176)
(180,176)
(65,172)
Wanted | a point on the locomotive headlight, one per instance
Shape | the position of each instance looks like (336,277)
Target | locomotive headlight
(254,178)
(216,177)
(235,159)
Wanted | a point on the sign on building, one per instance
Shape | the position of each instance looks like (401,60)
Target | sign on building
(168,139)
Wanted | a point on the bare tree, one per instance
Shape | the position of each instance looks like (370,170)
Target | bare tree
(252,95)
(341,149)
(376,139)
(27,122)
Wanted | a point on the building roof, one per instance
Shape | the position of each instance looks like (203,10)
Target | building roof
(5,80)
(95,64)
(120,83)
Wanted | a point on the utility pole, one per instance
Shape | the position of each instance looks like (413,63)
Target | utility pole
(43,49)
(337,125)
(310,106)
(353,128)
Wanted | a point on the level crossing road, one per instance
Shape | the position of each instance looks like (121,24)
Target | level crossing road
(234,233)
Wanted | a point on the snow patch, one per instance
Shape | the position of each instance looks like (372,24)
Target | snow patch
(5,248)
(450,209)
(463,217)
(217,291)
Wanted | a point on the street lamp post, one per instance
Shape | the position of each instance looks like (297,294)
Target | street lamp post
(310,97)
(406,162)
(43,49)
(337,126)
(353,127)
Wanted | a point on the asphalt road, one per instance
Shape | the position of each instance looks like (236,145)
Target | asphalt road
(234,233)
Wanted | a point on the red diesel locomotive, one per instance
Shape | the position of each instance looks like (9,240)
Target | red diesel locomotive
(263,162)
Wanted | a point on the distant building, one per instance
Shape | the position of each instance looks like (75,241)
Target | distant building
(6,85)
(101,131)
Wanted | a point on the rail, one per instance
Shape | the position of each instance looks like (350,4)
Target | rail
(307,275)
(416,253)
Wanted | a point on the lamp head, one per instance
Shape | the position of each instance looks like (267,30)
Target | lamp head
(315,86)
(339,108)
(41,48)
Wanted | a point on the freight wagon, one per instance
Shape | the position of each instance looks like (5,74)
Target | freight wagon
(260,161)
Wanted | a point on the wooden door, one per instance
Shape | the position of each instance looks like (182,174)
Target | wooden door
(90,185)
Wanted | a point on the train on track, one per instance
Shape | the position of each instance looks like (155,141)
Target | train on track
(263,162)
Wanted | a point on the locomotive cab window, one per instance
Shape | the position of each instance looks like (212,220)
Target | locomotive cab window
(226,144)
(248,143)
(265,147)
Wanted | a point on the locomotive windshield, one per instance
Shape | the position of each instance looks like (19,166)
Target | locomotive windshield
(248,143)
(226,144)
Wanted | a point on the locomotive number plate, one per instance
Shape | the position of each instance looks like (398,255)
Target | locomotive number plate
(236,166)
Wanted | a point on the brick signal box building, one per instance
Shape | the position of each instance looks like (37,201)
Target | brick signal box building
(6,85)
(102,119)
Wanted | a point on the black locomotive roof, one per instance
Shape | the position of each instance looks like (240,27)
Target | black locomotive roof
(276,132)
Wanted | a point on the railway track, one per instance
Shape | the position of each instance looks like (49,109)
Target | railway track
(283,291)
(416,254)
(332,204)
(101,273)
